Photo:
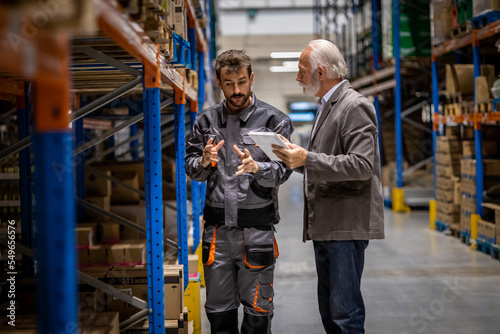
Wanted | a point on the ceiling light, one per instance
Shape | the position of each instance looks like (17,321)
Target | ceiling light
(282,69)
(278,55)
(291,64)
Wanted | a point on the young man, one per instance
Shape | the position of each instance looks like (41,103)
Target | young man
(241,205)
(342,187)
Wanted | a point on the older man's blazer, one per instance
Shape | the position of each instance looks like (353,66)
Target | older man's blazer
(343,190)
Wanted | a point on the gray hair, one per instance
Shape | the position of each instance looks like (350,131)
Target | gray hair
(325,53)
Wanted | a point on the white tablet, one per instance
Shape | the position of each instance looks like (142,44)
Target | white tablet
(265,139)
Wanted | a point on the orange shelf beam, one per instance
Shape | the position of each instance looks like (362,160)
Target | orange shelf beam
(200,36)
(489,30)
(479,118)
(451,45)
(459,42)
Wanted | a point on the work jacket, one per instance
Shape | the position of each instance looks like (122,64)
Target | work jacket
(238,200)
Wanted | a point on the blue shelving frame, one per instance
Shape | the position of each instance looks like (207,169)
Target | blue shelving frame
(154,206)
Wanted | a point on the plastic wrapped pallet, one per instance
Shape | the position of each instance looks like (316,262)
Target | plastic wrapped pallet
(440,21)
(483,6)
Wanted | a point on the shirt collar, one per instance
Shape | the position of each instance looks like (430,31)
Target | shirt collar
(329,94)
(244,114)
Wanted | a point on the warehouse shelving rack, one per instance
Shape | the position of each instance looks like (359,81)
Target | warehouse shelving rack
(473,38)
(388,78)
(53,142)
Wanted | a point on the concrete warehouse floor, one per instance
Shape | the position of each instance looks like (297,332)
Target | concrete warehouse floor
(415,281)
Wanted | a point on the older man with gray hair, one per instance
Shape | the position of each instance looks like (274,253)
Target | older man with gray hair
(343,206)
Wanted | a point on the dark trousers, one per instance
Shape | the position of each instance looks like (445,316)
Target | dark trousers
(339,265)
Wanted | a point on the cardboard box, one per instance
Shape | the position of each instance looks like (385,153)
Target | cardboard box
(487,231)
(135,253)
(447,207)
(446,183)
(122,195)
(446,159)
(110,232)
(193,263)
(96,185)
(83,257)
(85,236)
(106,322)
(126,254)
(98,255)
(448,171)
(448,145)
(171,327)
(134,280)
(489,149)
(448,218)
(460,77)
(127,233)
(87,299)
(102,202)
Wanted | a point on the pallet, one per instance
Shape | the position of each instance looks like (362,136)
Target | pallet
(496,105)
(482,108)
(465,237)
(485,19)
(487,248)
(454,232)
(461,29)
(440,226)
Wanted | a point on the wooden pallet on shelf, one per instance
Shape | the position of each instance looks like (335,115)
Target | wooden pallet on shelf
(461,29)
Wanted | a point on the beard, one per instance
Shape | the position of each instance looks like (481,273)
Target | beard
(241,103)
(312,88)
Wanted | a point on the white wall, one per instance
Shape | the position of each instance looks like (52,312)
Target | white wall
(272,29)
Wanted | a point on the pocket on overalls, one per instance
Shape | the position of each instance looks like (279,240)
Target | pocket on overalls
(259,247)
(208,245)
(264,293)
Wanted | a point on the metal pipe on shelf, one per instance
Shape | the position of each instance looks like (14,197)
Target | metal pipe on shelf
(114,292)
(12,149)
(79,167)
(115,180)
(126,141)
(133,320)
(109,133)
(108,60)
(119,219)
(417,125)
(101,101)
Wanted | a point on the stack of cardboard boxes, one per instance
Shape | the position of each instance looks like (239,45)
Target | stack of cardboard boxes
(448,156)
(98,323)
(488,228)
(491,173)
